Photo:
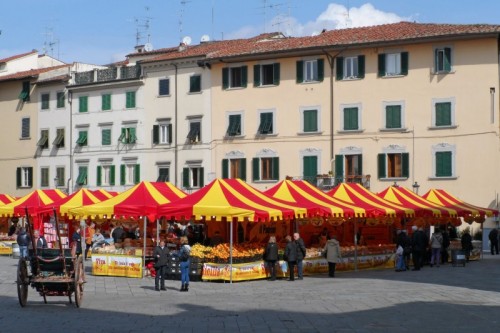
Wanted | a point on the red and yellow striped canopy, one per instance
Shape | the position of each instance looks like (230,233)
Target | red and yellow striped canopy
(444,198)
(231,199)
(82,197)
(360,196)
(141,200)
(5,199)
(32,202)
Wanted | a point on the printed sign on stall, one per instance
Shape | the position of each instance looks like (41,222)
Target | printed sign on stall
(116,265)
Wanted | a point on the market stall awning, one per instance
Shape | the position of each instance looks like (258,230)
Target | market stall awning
(473,213)
(424,208)
(231,199)
(82,197)
(303,193)
(360,196)
(141,200)
(32,202)
(5,199)
(102,194)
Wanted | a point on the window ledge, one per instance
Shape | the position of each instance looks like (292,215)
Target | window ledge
(351,78)
(443,178)
(163,144)
(231,137)
(310,82)
(270,135)
(433,128)
(310,133)
(399,130)
(268,181)
(390,76)
(393,179)
(161,96)
(266,86)
(28,138)
(351,131)
(234,88)
(443,72)
(195,92)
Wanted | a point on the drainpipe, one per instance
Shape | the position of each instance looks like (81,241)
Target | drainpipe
(70,101)
(175,129)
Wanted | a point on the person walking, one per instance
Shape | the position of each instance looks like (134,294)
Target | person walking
(466,241)
(332,253)
(77,241)
(161,261)
(436,244)
(271,257)
(405,242)
(23,240)
(291,256)
(301,254)
(88,238)
(184,254)
(493,237)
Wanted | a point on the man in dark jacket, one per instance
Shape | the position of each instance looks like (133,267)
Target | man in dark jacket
(291,256)
(23,240)
(77,241)
(301,253)
(118,234)
(271,256)
(405,242)
(161,261)
(419,245)
(493,237)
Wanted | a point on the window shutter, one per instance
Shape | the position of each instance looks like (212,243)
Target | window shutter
(276,168)
(225,168)
(19,177)
(112,175)
(360,165)
(132,137)
(276,74)
(202,177)
(225,78)
(381,166)
(137,174)
(185,177)
(443,164)
(156,134)
(321,70)
(106,137)
(381,64)
(163,87)
(300,71)
(169,130)
(447,59)
(255,168)
(405,164)
(30,177)
(361,66)
(122,174)
(256,75)
(339,168)
(99,176)
(436,60)
(243,169)
(310,121)
(244,76)
(339,70)
(404,63)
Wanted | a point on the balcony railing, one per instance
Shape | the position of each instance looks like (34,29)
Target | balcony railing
(108,74)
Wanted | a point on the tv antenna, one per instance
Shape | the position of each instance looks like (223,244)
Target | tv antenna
(272,6)
(181,17)
(142,26)
(50,42)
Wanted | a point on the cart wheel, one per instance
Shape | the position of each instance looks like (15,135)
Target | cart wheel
(79,281)
(22,282)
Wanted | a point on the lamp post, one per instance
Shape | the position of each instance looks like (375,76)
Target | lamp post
(415,187)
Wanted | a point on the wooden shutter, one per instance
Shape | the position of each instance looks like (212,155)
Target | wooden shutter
(381,166)
(447,59)
(339,70)
(185,177)
(82,104)
(244,76)
(19,177)
(381,64)
(202,177)
(339,168)
(321,70)
(300,71)
(137,174)
(255,168)
(404,63)
(225,168)
(405,164)
(276,74)
(99,176)
(443,164)
(169,130)
(276,168)
(225,78)
(112,175)
(361,66)
(106,137)
(310,121)
(243,169)
(256,75)
(156,134)
(122,174)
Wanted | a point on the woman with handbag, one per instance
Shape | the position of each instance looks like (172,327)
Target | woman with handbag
(332,254)
(184,253)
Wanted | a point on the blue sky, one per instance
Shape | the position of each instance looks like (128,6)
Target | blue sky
(104,31)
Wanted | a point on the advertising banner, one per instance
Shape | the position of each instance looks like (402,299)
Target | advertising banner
(117,265)
(6,247)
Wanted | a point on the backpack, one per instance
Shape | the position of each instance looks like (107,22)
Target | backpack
(184,254)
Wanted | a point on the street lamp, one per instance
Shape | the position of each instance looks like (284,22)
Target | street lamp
(415,187)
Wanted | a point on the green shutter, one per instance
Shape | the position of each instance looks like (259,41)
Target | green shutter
(185,177)
(360,164)
(156,134)
(310,167)
(225,168)
(19,177)
(351,119)
(339,168)
(112,175)
(361,66)
(83,104)
(255,168)
(225,78)
(195,83)
(132,138)
(169,130)
(106,102)
(310,120)
(130,99)
(447,59)
(443,164)
(244,76)
(339,70)
(137,174)
(393,116)
(300,71)
(256,75)
(202,177)
(405,165)
(404,63)
(30,177)
(122,174)
(276,74)
(321,70)
(381,166)
(99,176)
(443,114)
(381,64)
(45,101)
(243,169)
(276,168)
(106,137)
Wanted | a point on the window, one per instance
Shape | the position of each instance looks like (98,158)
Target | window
(105,175)
(162,134)
(24,177)
(310,168)
(130,99)
(310,121)
(128,136)
(234,126)
(195,83)
(390,64)
(234,77)
(443,114)
(25,92)
(265,168)
(393,115)
(310,70)
(43,143)
(266,123)
(443,164)
(266,75)
(61,177)
(83,104)
(163,174)
(194,135)
(192,177)
(61,99)
(350,119)
(130,174)
(25,128)
(442,62)
(164,87)
(82,175)
(82,138)
(393,165)
(106,136)
(59,140)
(45,101)
(347,167)
(44,177)
(234,168)
(350,67)
(106,102)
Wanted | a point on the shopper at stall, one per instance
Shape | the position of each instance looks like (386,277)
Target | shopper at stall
(161,261)
(98,239)
(271,257)
(40,241)
(118,234)
(418,245)
(88,238)
(301,254)
(23,240)
(13,228)
(466,241)
(291,256)
(184,254)
(331,252)
(493,237)
(77,241)
(436,244)
(405,242)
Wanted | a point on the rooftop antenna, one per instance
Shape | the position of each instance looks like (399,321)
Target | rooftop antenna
(267,6)
(50,42)
(142,26)
(348,21)
(181,17)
